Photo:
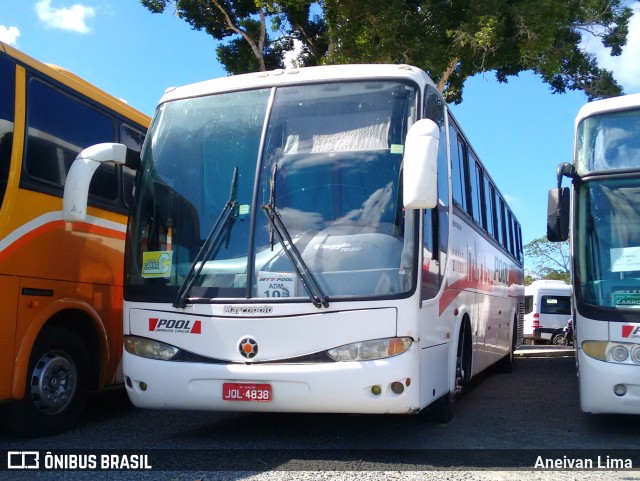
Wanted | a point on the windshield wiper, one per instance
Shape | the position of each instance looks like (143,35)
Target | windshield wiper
(309,282)
(209,244)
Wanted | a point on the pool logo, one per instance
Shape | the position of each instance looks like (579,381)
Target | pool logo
(630,331)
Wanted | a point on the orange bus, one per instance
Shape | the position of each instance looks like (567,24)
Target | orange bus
(60,285)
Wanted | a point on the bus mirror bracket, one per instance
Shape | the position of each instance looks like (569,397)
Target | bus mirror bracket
(420,165)
(565,169)
(76,186)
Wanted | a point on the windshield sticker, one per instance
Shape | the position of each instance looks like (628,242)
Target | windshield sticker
(276,284)
(156,264)
(397,149)
(625,259)
(623,299)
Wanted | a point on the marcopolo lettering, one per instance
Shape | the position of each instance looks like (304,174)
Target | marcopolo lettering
(183,326)
(247,310)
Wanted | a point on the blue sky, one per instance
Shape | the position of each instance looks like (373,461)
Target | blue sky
(519,129)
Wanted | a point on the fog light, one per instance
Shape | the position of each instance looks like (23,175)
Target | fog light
(143,386)
(397,387)
(620,389)
(376,390)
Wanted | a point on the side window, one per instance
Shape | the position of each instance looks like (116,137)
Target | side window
(520,253)
(58,128)
(475,181)
(7,98)
(499,224)
(458,174)
(434,109)
(436,221)
(133,139)
(556,305)
(512,248)
(489,193)
(528,304)
(503,216)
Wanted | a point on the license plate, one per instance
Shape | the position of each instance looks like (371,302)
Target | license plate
(233,391)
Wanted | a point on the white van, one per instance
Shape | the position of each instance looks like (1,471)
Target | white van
(547,308)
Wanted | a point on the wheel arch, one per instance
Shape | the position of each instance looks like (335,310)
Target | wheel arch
(464,323)
(76,316)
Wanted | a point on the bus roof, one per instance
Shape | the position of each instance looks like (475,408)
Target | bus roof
(79,84)
(304,75)
(613,104)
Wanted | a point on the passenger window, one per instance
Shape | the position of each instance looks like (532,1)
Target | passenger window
(58,128)
(133,139)
(458,175)
(528,304)
(475,180)
(7,83)
(488,202)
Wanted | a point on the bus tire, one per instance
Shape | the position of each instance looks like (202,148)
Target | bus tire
(443,409)
(505,365)
(57,385)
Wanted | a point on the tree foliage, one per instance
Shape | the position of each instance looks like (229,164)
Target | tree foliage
(547,260)
(242,26)
(452,40)
(455,39)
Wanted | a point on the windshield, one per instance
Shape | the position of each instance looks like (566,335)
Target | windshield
(326,158)
(608,141)
(607,244)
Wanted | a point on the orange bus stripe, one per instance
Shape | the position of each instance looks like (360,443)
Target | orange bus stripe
(59,225)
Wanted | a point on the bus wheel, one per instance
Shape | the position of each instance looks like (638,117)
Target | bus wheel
(57,385)
(443,409)
(505,365)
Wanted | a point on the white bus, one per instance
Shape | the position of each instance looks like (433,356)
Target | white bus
(314,240)
(605,245)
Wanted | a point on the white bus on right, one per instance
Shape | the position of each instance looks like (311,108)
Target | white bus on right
(603,225)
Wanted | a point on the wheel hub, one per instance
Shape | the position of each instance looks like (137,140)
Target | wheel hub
(53,382)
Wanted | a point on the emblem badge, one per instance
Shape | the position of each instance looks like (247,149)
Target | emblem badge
(248,348)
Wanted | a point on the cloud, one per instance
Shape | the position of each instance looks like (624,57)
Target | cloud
(9,34)
(72,19)
(625,68)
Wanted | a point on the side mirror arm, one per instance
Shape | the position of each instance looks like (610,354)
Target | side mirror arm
(565,169)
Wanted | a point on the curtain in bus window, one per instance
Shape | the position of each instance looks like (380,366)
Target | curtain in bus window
(609,141)
(7,99)
(58,128)
(336,151)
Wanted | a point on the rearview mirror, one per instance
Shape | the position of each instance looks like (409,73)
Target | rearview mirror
(420,166)
(558,215)
(76,186)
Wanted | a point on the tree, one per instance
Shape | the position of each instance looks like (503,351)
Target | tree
(455,39)
(549,260)
(243,25)
(451,40)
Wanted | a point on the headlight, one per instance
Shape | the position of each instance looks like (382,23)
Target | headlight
(616,352)
(369,350)
(143,347)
